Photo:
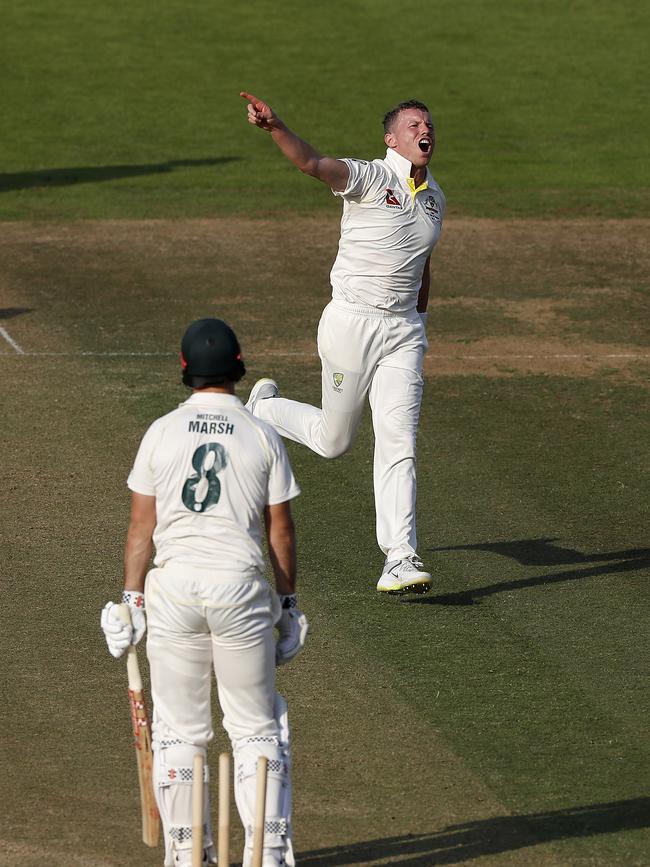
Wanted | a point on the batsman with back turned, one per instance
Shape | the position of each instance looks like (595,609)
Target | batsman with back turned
(207,478)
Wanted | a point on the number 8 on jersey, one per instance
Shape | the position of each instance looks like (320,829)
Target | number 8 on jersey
(203,487)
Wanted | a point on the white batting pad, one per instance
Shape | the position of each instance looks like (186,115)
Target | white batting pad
(173,777)
(277,825)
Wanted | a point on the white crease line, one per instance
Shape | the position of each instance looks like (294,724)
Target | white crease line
(11,341)
(280,354)
(123,354)
(91,354)
(101,354)
(536,357)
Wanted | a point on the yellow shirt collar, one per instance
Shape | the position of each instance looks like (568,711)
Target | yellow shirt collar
(403,168)
(411,184)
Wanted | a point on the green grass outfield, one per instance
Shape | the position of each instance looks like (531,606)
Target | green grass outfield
(500,720)
(132,109)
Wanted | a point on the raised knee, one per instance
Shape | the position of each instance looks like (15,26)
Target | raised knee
(336,447)
(333,450)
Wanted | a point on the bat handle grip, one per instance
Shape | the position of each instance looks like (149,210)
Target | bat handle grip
(132,667)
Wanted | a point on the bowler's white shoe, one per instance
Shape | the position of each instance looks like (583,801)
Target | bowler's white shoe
(404,576)
(262,390)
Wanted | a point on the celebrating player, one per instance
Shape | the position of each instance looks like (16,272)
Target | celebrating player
(371,337)
(203,476)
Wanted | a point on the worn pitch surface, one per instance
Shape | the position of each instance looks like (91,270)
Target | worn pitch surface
(498,721)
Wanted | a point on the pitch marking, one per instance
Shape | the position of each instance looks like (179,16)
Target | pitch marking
(118,354)
(279,353)
(539,357)
(4,333)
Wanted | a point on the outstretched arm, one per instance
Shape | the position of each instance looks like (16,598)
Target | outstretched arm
(334,173)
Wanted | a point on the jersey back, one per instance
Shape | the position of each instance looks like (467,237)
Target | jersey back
(212,468)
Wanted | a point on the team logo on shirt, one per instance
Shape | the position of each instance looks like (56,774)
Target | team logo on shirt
(391,199)
(338,379)
(432,208)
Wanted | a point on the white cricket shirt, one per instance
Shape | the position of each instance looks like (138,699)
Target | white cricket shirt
(213,468)
(388,229)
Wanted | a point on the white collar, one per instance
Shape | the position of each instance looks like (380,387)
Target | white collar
(212,397)
(402,166)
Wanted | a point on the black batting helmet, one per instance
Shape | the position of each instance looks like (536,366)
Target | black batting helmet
(210,354)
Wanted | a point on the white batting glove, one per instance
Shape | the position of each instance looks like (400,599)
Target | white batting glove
(119,634)
(293,628)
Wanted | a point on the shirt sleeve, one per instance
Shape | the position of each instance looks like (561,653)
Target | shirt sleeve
(141,478)
(282,485)
(367,180)
(443,202)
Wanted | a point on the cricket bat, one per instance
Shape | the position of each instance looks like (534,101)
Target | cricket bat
(142,742)
(197,810)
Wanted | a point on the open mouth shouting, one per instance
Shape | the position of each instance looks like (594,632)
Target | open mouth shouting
(425,144)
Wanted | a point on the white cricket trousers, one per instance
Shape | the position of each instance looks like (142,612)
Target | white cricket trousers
(197,622)
(366,351)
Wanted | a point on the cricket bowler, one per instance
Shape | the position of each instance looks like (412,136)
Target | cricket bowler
(371,336)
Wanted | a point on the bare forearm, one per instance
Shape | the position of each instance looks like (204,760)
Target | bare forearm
(334,173)
(139,541)
(423,296)
(297,150)
(282,551)
(137,556)
(305,157)
(281,536)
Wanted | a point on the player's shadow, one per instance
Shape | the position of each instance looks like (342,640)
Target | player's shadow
(96,174)
(459,843)
(10,312)
(539,552)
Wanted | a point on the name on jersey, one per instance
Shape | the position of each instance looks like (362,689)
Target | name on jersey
(207,423)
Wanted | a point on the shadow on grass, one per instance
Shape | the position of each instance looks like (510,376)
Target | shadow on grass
(97,174)
(10,312)
(458,843)
(543,552)
(539,552)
